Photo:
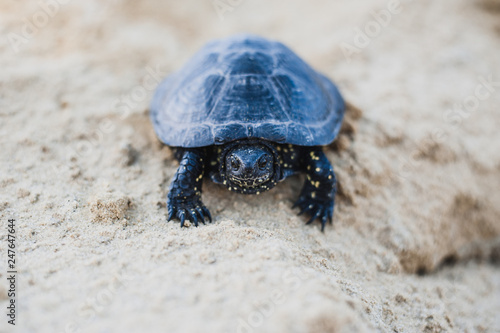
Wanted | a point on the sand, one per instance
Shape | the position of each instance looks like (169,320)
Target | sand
(415,245)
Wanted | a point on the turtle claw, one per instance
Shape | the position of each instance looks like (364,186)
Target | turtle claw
(199,214)
(206,212)
(182,217)
(170,214)
(314,217)
(316,209)
(193,216)
(191,210)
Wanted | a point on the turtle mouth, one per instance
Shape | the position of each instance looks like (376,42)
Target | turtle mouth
(249,182)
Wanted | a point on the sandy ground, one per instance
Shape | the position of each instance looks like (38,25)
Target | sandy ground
(415,246)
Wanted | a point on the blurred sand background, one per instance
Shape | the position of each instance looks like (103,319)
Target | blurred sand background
(415,246)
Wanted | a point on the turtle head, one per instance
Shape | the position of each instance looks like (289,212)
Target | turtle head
(250,168)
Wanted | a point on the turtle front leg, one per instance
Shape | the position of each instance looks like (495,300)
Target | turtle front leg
(317,197)
(184,196)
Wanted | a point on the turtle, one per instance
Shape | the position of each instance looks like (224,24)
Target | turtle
(248,112)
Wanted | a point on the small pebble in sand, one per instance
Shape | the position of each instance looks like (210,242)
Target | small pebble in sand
(109,207)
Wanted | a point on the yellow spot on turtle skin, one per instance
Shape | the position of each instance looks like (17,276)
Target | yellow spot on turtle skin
(313,156)
(318,169)
(308,177)
(278,148)
(317,184)
(213,163)
(257,193)
(292,157)
(290,145)
(285,165)
(224,182)
(308,167)
(313,195)
(329,176)
(310,206)
(201,160)
(285,150)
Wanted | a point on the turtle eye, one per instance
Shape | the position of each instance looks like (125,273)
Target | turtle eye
(235,163)
(262,163)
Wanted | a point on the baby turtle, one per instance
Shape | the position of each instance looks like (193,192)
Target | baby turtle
(248,112)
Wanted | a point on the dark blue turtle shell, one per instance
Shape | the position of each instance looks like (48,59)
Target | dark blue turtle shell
(246,86)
